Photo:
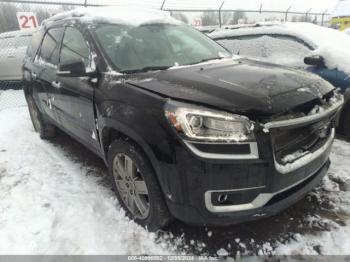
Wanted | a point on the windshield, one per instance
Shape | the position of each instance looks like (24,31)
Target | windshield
(155,47)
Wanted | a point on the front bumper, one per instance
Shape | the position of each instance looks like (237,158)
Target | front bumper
(198,215)
(254,187)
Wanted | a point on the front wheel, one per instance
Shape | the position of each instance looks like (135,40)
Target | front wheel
(136,187)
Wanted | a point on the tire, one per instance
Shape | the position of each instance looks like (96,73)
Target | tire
(44,129)
(139,191)
(346,121)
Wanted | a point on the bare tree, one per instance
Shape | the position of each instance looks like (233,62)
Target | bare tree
(179,16)
(237,16)
(8,17)
(227,18)
(41,14)
(210,18)
(67,7)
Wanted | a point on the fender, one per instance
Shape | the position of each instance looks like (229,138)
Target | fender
(130,133)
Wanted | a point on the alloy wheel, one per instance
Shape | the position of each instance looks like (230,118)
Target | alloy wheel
(131,186)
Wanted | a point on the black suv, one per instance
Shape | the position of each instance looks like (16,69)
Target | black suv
(186,130)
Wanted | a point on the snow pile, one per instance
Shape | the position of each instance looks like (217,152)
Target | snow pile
(331,44)
(335,189)
(52,205)
(132,15)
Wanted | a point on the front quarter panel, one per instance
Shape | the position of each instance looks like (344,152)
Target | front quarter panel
(137,114)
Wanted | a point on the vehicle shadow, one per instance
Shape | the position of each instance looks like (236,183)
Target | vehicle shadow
(308,216)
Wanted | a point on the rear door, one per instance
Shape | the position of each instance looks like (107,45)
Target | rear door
(75,100)
(45,69)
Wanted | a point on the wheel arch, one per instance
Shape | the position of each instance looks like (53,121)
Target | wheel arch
(113,130)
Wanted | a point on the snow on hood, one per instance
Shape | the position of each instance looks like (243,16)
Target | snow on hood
(129,15)
(331,44)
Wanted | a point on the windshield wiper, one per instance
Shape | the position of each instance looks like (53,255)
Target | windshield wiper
(207,59)
(144,69)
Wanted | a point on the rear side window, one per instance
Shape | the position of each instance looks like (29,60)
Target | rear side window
(51,45)
(34,43)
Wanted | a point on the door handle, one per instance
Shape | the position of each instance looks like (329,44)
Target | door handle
(56,84)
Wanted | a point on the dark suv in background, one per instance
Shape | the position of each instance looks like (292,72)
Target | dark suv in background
(186,130)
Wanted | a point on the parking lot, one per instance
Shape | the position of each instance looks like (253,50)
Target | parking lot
(56,199)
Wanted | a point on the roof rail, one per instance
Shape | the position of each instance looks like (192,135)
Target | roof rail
(62,16)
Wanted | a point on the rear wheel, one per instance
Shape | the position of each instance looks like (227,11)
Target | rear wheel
(44,129)
(136,187)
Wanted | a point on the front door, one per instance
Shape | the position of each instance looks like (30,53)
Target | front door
(75,99)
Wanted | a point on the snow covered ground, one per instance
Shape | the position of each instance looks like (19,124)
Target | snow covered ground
(55,199)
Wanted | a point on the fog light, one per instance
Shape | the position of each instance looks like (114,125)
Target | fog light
(222,198)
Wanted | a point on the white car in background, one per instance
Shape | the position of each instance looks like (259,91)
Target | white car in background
(13,46)
(320,50)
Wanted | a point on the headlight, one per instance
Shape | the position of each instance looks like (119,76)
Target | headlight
(200,123)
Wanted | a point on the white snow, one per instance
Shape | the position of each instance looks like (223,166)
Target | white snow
(52,205)
(337,240)
(130,15)
(329,43)
(291,157)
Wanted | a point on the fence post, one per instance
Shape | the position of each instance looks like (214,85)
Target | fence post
(286,15)
(85,3)
(220,20)
(323,14)
(161,8)
(307,14)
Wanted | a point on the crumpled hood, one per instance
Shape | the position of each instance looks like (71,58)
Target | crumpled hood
(240,86)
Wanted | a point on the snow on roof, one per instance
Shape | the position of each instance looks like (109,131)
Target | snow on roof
(342,8)
(130,15)
(333,45)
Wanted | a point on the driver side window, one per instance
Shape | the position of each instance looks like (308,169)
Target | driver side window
(74,46)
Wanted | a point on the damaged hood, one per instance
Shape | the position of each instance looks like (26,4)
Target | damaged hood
(238,86)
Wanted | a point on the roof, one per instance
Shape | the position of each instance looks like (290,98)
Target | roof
(129,15)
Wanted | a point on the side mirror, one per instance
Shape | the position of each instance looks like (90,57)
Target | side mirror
(73,68)
(314,60)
